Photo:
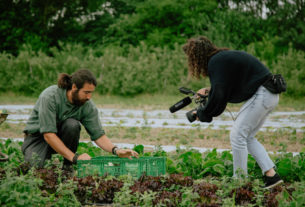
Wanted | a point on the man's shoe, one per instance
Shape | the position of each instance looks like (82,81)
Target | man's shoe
(270,182)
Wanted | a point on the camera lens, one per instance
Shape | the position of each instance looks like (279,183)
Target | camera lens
(190,116)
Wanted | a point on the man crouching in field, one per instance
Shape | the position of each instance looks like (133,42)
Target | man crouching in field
(54,124)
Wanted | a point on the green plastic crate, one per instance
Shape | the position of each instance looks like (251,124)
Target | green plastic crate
(117,166)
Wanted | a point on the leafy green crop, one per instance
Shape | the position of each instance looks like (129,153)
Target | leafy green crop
(193,179)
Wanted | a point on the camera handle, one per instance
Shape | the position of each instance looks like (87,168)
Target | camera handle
(198,100)
(203,97)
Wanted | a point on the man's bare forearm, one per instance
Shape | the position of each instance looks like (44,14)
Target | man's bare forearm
(104,143)
(53,140)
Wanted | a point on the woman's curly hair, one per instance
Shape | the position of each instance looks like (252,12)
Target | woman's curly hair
(199,51)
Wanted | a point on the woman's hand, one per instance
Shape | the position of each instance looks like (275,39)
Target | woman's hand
(195,113)
(204,91)
(127,153)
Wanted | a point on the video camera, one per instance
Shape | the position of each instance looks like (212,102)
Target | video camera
(199,99)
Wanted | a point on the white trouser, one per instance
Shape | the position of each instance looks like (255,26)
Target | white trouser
(251,117)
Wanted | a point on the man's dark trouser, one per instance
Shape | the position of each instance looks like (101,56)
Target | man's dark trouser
(36,150)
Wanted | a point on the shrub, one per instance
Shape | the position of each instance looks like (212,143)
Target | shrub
(132,70)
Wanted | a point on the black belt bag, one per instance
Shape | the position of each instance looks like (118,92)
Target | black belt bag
(275,84)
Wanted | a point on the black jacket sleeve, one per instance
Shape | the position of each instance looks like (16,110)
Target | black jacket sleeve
(234,76)
(216,104)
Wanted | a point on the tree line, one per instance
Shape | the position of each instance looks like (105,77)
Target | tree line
(140,40)
(42,24)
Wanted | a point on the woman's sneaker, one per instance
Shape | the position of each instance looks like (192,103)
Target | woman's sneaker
(270,182)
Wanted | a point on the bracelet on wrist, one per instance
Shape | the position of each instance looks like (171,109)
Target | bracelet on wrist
(114,149)
(74,160)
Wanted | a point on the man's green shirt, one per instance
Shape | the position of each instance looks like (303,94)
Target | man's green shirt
(53,107)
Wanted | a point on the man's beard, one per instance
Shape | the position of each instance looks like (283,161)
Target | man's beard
(76,100)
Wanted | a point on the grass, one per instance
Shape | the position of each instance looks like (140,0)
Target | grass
(145,101)
(148,101)
(14,99)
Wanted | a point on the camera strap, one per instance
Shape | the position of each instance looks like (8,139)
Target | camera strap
(233,118)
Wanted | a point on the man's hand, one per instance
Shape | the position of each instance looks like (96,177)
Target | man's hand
(104,143)
(84,156)
(127,153)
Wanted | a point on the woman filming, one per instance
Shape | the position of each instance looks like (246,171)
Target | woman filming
(236,77)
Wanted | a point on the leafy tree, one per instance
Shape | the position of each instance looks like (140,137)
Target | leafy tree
(286,18)
(18,25)
(160,23)
(43,23)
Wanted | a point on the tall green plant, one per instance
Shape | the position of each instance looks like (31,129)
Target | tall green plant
(291,66)
(21,191)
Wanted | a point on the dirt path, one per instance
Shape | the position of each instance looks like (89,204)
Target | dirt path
(280,140)
(283,131)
